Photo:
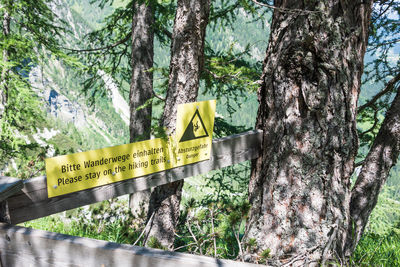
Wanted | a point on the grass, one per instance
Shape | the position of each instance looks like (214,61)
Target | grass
(378,250)
(113,227)
(112,232)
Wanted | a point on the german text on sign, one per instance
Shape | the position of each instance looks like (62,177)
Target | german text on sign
(192,143)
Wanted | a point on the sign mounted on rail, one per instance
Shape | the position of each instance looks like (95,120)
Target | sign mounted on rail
(194,128)
(84,170)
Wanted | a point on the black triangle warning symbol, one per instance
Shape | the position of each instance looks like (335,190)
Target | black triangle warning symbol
(195,128)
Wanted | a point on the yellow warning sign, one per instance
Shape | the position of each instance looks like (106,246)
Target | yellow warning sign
(192,143)
(194,128)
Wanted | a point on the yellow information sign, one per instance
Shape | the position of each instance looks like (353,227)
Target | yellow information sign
(192,143)
(79,171)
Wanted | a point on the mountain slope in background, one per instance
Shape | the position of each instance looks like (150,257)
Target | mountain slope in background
(60,88)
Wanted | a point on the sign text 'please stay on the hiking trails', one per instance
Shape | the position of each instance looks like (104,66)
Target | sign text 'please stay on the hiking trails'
(191,143)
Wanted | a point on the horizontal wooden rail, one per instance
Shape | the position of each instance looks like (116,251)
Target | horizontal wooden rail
(22,246)
(32,201)
(9,186)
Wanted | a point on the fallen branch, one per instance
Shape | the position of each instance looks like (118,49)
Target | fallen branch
(144,229)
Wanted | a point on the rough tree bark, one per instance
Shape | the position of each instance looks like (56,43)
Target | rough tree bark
(141,89)
(381,158)
(5,70)
(187,60)
(299,187)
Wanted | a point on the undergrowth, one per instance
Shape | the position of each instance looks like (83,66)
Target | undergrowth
(378,250)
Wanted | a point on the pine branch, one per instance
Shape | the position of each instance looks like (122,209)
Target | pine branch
(382,11)
(286,10)
(388,88)
(376,120)
(223,77)
(158,96)
(184,246)
(194,237)
(358,164)
(167,33)
(108,47)
(389,42)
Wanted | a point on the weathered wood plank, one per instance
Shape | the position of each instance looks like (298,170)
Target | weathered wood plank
(32,202)
(22,246)
(9,186)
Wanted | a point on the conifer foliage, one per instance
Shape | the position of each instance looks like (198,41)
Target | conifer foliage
(29,30)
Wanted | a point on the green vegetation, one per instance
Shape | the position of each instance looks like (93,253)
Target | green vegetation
(378,250)
(214,206)
(108,220)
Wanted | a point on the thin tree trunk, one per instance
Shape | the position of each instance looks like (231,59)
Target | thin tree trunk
(5,70)
(141,89)
(381,158)
(187,56)
(299,187)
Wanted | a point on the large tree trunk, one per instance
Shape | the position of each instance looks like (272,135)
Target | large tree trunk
(381,158)
(299,187)
(5,53)
(187,56)
(141,89)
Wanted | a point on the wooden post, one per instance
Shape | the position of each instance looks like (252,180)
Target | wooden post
(8,187)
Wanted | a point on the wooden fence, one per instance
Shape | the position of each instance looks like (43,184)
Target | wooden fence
(24,201)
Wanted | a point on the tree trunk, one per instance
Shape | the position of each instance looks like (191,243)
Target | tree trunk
(299,187)
(381,158)
(5,70)
(141,89)
(187,56)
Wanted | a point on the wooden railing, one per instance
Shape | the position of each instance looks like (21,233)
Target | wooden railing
(24,201)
